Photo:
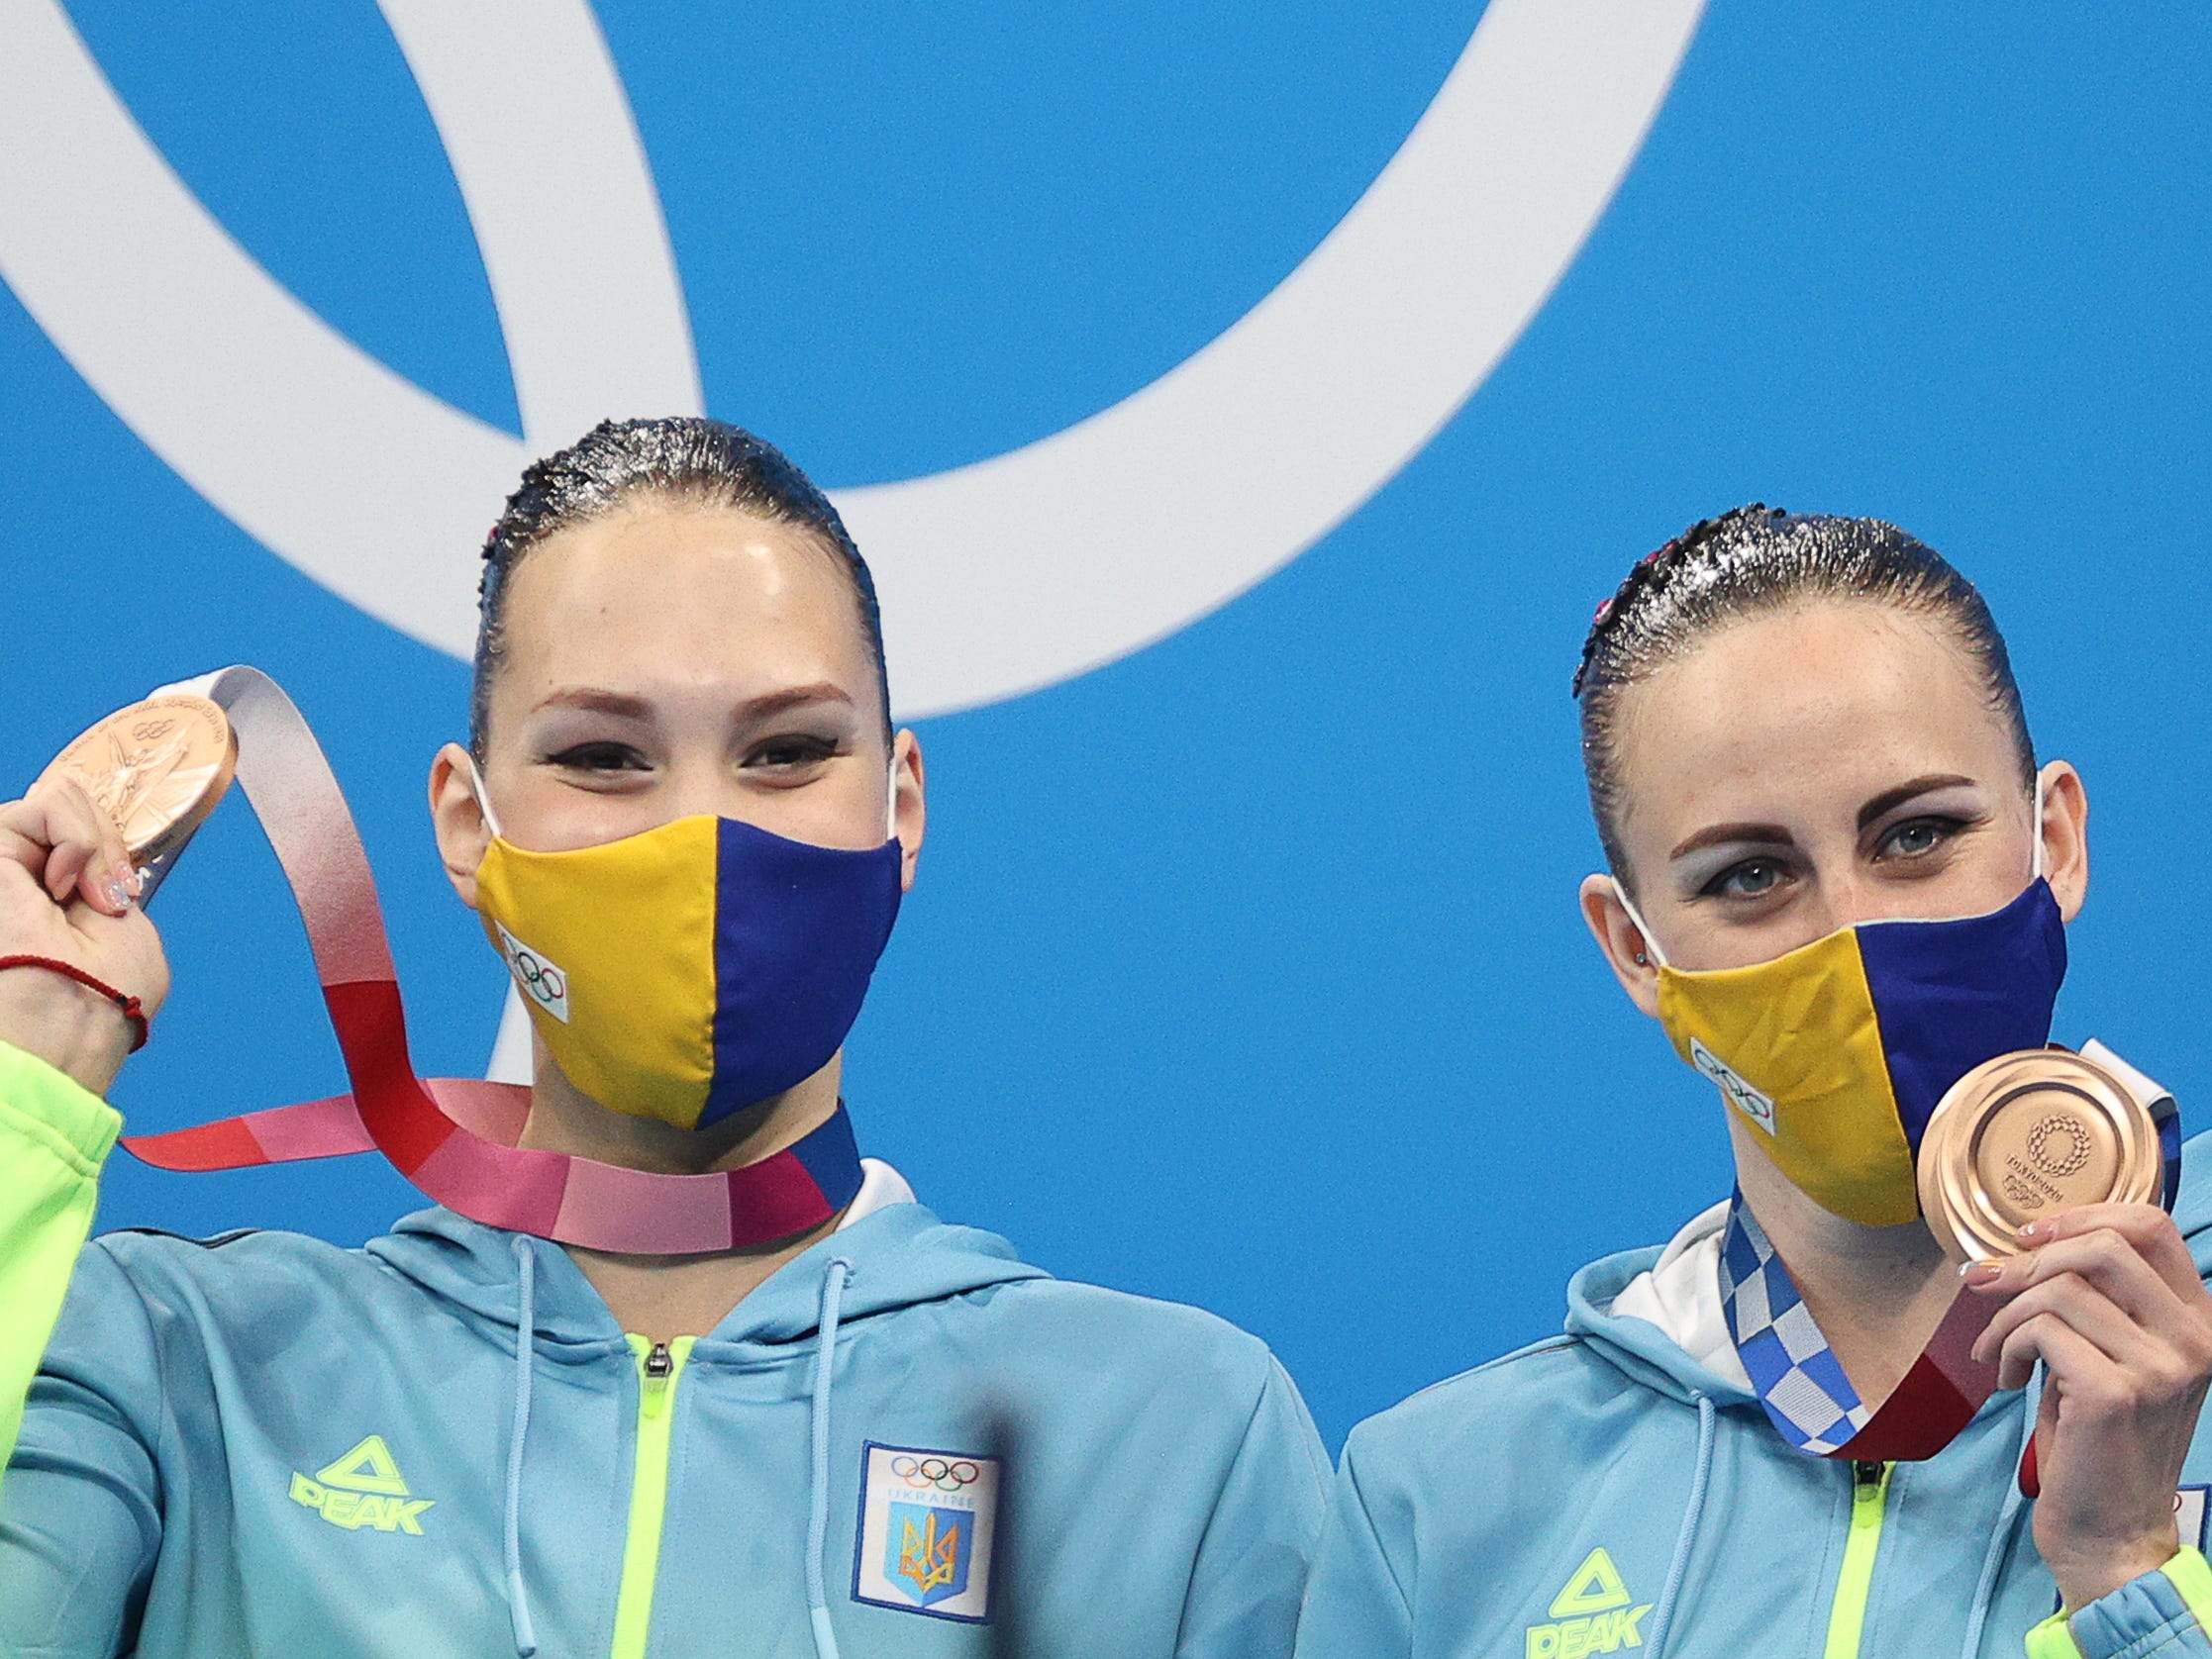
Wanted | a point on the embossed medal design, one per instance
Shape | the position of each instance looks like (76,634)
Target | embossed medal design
(158,768)
(2025,1135)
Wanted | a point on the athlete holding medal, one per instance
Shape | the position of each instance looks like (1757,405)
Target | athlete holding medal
(669,1370)
(1912,1387)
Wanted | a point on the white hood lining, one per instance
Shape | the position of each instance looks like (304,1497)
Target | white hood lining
(881,1186)
(1681,1294)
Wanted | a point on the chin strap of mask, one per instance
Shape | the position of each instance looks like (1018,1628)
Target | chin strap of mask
(455,1137)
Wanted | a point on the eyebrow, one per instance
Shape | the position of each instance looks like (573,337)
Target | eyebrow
(1716,834)
(1773,834)
(598,702)
(624,707)
(1889,800)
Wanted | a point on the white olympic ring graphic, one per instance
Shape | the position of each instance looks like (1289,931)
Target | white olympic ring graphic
(997,578)
(944,1474)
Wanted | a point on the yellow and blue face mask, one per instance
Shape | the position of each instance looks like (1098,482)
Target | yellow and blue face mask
(1837,1052)
(695,969)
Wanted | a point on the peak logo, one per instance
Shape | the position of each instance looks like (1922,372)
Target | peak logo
(363,1488)
(1012,573)
(1593,1613)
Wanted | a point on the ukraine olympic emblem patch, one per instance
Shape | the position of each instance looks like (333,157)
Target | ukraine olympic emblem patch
(927,1519)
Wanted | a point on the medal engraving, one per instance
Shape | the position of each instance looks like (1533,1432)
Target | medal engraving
(158,768)
(2028,1135)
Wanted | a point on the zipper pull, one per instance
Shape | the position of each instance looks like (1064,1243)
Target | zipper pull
(1865,1473)
(659,1363)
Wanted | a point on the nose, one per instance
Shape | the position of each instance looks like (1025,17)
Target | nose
(1845,898)
(700,787)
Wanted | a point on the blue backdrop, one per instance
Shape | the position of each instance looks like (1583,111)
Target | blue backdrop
(1245,970)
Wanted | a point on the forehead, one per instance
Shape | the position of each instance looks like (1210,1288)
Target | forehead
(1804,713)
(662,590)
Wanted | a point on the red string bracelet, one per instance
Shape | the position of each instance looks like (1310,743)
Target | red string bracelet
(131,1010)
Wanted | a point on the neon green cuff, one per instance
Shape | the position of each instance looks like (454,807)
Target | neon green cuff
(2053,1639)
(53,1137)
(54,1112)
(2187,1572)
(2190,1574)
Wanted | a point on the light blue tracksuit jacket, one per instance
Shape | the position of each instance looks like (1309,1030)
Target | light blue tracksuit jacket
(1603,1493)
(269,1445)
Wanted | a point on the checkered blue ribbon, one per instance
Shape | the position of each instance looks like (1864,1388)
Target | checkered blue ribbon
(1796,1375)
(1801,1384)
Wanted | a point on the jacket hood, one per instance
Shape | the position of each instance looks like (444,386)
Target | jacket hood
(899,1256)
(1636,1346)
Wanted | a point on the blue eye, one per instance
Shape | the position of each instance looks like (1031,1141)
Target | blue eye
(1753,878)
(1918,837)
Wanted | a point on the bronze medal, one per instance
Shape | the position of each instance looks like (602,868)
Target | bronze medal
(158,768)
(2025,1135)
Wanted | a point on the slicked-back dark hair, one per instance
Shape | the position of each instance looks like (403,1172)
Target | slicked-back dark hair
(686,460)
(1753,561)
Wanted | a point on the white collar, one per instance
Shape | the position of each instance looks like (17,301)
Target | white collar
(1681,1294)
(881,1186)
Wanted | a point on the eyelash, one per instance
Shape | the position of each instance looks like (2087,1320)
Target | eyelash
(1947,828)
(598,756)
(814,749)
(788,751)
(1716,888)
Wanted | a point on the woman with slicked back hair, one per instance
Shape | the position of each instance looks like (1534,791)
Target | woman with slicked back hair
(751,1398)
(1837,878)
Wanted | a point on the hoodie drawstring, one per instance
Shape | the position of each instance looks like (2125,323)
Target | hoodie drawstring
(1662,1620)
(818,1511)
(526,1340)
(2000,1538)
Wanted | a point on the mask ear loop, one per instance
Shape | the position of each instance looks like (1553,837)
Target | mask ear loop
(483,799)
(2035,859)
(891,804)
(1650,941)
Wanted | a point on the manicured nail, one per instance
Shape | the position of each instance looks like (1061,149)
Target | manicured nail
(1978,1273)
(119,896)
(134,880)
(2035,1231)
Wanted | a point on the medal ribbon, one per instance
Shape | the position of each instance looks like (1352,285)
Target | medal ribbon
(455,1137)
(1802,1385)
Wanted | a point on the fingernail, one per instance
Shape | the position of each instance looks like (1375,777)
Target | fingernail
(119,896)
(2035,1231)
(1979,1273)
(134,880)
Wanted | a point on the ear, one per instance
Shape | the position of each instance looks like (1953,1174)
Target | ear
(2066,836)
(1621,941)
(457,820)
(910,810)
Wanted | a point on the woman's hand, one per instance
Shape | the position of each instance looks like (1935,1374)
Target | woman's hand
(2109,1301)
(67,890)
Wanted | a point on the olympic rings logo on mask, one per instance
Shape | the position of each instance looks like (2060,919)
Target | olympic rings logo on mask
(540,978)
(944,1474)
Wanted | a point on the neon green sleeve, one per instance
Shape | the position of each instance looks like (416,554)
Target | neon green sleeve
(53,1137)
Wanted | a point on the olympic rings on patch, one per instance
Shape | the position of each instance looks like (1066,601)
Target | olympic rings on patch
(540,978)
(947,1475)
